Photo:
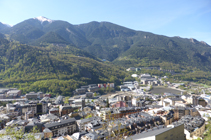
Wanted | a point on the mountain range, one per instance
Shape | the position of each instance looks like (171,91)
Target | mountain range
(4,26)
(38,52)
(121,45)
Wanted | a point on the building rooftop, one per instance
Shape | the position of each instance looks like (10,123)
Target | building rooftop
(59,100)
(94,136)
(46,130)
(191,123)
(176,99)
(13,91)
(151,132)
(61,122)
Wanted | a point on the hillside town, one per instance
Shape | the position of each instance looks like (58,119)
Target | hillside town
(135,111)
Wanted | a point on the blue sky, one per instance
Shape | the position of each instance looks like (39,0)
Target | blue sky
(184,18)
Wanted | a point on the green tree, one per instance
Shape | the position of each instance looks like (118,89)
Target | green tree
(66,100)
(108,89)
(95,94)
(89,116)
(31,135)
(151,87)
(107,103)
(18,134)
(13,133)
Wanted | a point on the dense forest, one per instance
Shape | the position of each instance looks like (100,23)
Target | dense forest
(53,69)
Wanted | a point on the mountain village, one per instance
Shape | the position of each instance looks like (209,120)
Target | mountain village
(132,112)
(105,70)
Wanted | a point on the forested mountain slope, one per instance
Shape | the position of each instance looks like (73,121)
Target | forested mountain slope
(120,45)
(52,68)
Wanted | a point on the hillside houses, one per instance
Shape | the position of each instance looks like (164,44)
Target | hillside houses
(88,115)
